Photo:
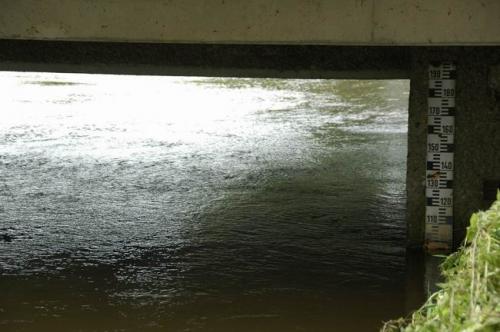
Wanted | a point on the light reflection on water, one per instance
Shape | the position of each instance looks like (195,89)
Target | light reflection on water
(184,204)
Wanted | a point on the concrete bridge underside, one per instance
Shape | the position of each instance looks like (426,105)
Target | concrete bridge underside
(326,22)
(291,39)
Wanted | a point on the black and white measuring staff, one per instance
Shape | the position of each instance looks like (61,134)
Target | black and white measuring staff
(440,156)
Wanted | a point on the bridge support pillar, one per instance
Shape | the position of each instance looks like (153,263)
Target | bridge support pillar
(477,135)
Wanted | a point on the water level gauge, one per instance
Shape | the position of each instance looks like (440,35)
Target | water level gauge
(440,155)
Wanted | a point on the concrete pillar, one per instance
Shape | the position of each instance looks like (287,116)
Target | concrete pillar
(477,155)
(477,137)
(416,161)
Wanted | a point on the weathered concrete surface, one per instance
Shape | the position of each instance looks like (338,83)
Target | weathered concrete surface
(477,156)
(417,151)
(477,136)
(339,22)
(298,61)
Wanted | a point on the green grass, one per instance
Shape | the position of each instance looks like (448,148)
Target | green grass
(469,299)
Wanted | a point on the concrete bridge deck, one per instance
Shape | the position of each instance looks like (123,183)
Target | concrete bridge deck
(326,22)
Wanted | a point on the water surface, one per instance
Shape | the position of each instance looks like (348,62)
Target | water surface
(201,204)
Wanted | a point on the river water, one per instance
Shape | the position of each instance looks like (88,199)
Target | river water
(201,204)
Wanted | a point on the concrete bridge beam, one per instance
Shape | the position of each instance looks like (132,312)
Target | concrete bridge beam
(291,22)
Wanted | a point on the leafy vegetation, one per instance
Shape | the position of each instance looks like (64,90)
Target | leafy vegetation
(469,299)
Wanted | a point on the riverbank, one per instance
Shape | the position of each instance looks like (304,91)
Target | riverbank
(469,299)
